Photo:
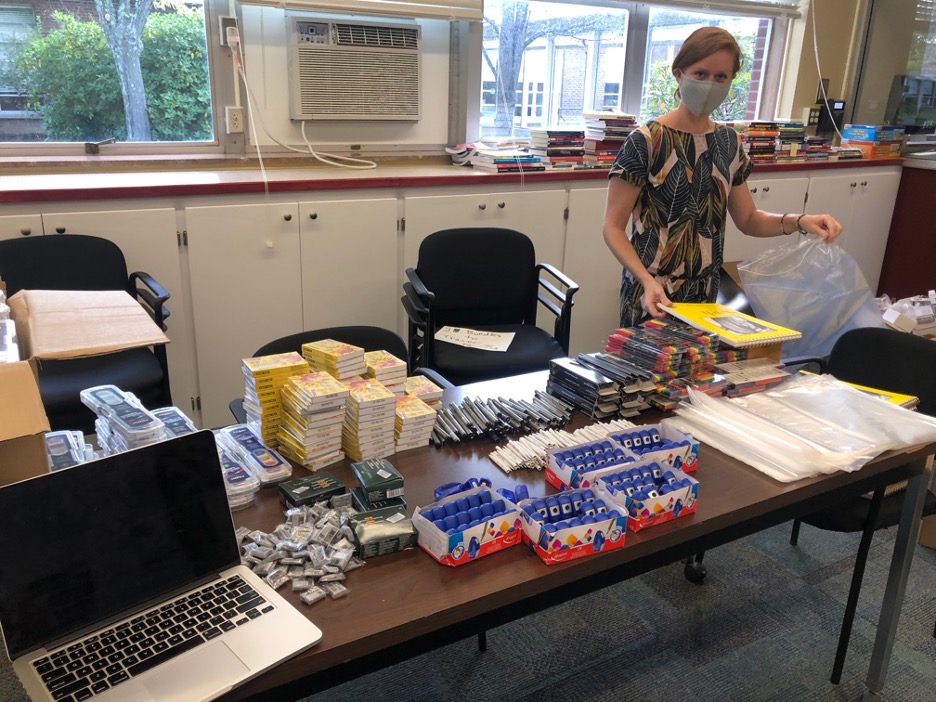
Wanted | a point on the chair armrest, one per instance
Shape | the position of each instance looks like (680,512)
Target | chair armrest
(152,295)
(557,301)
(796,363)
(237,409)
(419,287)
(434,376)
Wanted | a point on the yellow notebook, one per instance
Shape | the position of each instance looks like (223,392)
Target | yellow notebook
(733,328)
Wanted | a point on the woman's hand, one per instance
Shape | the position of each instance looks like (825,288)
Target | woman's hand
(652,297)
(826,227)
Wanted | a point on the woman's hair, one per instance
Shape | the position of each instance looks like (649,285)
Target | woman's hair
(704,42)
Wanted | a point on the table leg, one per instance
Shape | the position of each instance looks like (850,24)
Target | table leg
(908,532)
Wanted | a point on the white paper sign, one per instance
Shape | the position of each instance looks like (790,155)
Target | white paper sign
(475,339)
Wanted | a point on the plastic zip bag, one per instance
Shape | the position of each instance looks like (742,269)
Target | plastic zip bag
(813,287)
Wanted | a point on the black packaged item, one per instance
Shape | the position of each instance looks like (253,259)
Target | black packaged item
(362,505)
(379,479)
(381,531)
(318,487)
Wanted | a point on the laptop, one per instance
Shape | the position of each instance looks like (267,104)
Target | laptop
(125,582)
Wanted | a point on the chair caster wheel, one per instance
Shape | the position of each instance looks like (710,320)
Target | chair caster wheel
(694,572)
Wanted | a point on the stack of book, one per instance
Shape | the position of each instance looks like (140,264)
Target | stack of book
(369,421)
(817,148)
(605,131)
(751,375)
(336,358)
(413,423)
(759,140)
(733,328)
(388,369)
(420,386)
(313,416)
(264,376)
(790,142)
(505,161)
(594,393)
(558,148)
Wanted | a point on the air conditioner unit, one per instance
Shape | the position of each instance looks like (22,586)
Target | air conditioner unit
(350,70)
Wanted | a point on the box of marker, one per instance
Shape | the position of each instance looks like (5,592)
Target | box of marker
(661,443)
(570,525)
(570,468)
(648,492)
(463,527)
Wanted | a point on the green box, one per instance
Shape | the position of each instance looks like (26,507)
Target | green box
(378,478)
(381,531)
(317,487)
(361,504)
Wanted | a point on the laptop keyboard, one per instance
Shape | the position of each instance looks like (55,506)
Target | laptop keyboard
(82,670)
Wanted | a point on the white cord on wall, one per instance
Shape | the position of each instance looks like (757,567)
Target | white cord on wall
(822,89)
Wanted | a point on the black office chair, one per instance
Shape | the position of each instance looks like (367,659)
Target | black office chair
(888,360)
(485,279)
(368,338)
(78,262)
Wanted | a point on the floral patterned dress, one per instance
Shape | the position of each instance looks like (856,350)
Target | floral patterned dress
(679,219)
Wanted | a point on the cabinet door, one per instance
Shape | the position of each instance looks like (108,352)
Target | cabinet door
(863,202)
(778,195)
(150,244)
(538,214)
(350,265)
(15,226)
(590,263)
(244,268)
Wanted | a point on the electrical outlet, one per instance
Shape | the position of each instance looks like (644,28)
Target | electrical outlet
(224,24)
(234,119)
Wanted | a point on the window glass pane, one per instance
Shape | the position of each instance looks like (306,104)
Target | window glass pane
(67,77)
(667,31)
(548,61)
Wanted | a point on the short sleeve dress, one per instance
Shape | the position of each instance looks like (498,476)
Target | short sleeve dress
(679,219)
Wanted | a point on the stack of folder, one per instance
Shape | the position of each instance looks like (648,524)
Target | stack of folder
(413,424)
(263,378)
(336,358)
(420,386)
(368,429)
(388,369)
(313,416)
(595,394)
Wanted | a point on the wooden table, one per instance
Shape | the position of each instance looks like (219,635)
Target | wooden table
(405,604)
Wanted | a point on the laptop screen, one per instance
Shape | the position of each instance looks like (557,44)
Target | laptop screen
(86,543)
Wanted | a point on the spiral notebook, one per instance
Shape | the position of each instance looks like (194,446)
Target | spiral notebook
(733,328)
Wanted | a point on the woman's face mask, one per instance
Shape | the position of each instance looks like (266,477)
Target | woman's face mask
(701,97)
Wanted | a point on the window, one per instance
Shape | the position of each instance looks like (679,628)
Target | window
(59,71)
(578,52)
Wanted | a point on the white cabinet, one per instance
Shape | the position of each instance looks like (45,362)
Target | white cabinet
(150,244)
(863,202)
(590,263)
(777,195)
(16,226)
(246,282)
(350,270)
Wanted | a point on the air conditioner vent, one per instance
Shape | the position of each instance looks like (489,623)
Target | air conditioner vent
(372,35)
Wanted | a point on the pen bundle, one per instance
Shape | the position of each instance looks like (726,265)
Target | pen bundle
(496,418)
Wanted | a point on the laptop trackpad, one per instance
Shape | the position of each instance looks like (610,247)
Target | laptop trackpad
(205,673)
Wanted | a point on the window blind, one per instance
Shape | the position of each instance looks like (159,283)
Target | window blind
(433,9)
(762,8)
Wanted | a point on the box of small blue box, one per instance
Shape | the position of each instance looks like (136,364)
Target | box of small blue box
(648,492)
(661,443)
(467,525)
(572,524)
(570,468)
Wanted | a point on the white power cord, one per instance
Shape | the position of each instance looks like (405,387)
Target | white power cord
(822,89)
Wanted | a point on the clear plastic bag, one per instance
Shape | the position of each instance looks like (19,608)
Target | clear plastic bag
(813,287)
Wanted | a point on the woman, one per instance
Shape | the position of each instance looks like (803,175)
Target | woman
(678,176)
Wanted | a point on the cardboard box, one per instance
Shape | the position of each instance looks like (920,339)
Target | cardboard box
(876,148)
(23,424)
(493,534)
(360,503)
(55,324)
(378,478)
(567,544)
(309,489)
(656,510)
(928,532)
(873,132)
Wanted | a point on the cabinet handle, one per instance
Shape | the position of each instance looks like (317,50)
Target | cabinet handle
(864,183)
(853,185)
(313,215)
(482,206)
(287,217)
(60,230)
(25,231)
(766,188)
(502,205)
(753,190)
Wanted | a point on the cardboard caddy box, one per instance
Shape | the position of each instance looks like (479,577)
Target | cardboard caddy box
(23,424)
(684,458)
(574,541)
(875,148)
(493,534)
(656,510)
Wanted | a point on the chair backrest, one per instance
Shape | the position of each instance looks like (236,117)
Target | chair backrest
(62,262)
(368,338)
(887,359)
(482,275)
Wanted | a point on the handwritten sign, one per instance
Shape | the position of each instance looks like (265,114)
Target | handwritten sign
(475,339)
